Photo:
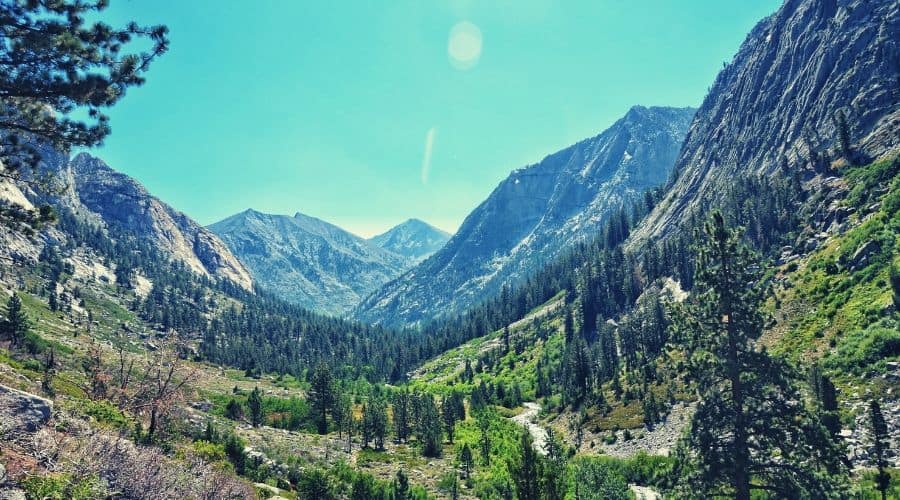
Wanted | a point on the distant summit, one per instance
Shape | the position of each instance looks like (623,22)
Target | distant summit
(414,239)
(311,262)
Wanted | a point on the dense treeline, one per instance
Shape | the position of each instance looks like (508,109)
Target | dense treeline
(254,331)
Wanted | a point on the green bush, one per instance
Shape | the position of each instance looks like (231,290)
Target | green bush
(103,412)
(62,487)
(864,348)
(209,452)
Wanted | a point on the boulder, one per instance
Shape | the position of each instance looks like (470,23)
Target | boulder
(23,411)
(863,254)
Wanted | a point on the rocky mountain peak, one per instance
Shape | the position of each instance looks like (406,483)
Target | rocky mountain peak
(413,238)
(100,195)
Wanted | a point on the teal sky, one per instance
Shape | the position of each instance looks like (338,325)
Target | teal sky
(328,108)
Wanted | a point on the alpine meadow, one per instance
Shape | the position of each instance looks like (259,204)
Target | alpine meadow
(690,290)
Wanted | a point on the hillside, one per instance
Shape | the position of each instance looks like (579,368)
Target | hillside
(691,304)
(85,185)
(534,215)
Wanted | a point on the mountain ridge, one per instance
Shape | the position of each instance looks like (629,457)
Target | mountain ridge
(307,260)
(534,214)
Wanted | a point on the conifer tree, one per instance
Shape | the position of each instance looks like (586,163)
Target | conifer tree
(525,469)
(402,415)
(465,459)
(401,486)
(15,326)
(58,73)
(254,403)
(750,430)
(321,395)
(452,411)
(429,426)
(484,437)
(879,447)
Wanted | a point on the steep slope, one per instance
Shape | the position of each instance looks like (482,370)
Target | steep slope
(308,261)
(414,239)
(101,196)
(535,214)
(814,71)
(124,204)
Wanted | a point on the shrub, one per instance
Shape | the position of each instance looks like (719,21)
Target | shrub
(63,487)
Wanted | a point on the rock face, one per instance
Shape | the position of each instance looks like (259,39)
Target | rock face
(308,261)
(124,204)
(21,411)
(413,239)
(534,215)
(778,104)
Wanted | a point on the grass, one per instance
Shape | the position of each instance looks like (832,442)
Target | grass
(840,314)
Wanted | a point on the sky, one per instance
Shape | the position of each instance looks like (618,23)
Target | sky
(368,113)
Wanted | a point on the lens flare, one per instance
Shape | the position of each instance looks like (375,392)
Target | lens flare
(464,45)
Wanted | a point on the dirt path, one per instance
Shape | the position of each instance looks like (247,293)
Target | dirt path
(539,435)
(526,419)
(644,492)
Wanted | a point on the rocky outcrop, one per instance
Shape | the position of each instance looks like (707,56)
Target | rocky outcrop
(413,239)
(22,412)
(816,81)
(535,214)
(308,261)
(123,204)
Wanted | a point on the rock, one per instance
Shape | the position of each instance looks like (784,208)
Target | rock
(12,494)
(863,254)
(21,411)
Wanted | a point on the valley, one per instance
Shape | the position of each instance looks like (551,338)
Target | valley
(693,303)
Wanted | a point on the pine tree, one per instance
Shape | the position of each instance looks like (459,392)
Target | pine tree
(525,470)
(53,58)
(895,284)
(484,437)
(429,426)
(465,459)
(375,421)
(254,403)
(401,486)
(321,395)
(16,325)
(749,411)
(553,469)
(402,415)
(879,447)
(340,410)
(452,411)
(233,410)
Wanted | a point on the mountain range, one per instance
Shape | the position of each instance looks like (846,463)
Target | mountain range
(318,265)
